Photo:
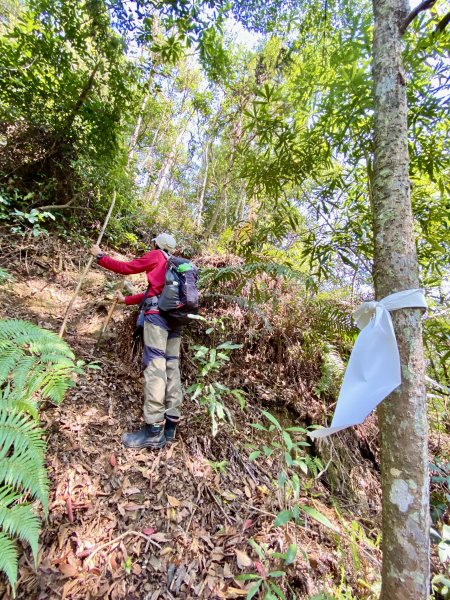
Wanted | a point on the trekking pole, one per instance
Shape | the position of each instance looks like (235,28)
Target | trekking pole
(129,288)
(86,269)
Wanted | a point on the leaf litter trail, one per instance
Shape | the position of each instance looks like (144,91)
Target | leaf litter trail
(144,524)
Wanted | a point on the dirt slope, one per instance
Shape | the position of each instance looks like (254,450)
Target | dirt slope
(156,525)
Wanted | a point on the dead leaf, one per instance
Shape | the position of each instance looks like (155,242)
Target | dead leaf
(132,506)
(68,570)
(247,524)
(148,530)
(261,570)
(131,491)
(235,592)
(173,502)
(160,537)
(243,560)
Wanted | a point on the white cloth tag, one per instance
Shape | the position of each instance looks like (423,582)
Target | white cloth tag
(373,370)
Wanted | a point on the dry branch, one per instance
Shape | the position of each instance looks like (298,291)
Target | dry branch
(86,269)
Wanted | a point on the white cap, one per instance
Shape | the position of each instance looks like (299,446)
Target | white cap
(165,241)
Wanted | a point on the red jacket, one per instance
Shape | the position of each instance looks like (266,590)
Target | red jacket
(153,264)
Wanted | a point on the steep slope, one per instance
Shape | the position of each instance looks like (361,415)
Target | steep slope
(184,522)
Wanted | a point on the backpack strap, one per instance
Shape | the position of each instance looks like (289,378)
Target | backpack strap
(147,291)
(166,255)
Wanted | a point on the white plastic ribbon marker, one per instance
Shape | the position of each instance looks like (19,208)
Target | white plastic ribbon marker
(373,370)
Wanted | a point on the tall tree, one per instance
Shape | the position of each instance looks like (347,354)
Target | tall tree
(403,416)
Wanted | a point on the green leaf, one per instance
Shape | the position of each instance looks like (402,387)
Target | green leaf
(229,346)
(318,516)
(258,426)
(271,418)
(247,577)
(257,548)
(291,554)
(278,591)
(287,440)
(254,455)
(253,590)
(282,518)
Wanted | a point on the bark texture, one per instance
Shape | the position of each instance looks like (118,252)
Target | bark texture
(402,416)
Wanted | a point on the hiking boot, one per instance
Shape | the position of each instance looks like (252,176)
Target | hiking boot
(170,428)
(150,436)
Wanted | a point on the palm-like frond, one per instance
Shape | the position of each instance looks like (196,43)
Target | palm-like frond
(17,519)
(34,364)
(9,558)
(34,359)
(239,275)
(23,471)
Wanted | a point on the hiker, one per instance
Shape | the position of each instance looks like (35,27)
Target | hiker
(163,392)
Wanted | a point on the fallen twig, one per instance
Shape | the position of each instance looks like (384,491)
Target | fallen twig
(121,537)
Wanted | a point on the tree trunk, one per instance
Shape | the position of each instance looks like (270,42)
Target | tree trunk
(137,129)
(166,168)
(82,97)
(201,199)
(402,416)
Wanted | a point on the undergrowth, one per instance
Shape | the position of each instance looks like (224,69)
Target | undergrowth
(35,365)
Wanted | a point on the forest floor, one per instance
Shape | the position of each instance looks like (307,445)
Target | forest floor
(174,523)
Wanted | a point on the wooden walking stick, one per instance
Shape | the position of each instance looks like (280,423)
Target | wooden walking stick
(129,288)
(86,269)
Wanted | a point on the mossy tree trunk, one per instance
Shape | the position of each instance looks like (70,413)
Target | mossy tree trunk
(402,416)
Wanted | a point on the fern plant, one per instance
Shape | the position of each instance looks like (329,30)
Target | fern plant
(332,370)
(34,365)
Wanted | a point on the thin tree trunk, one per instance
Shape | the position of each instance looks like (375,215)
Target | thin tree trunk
(137,129)
(236,135)
(402,416)
(201,199)
(82,97)
(167,166)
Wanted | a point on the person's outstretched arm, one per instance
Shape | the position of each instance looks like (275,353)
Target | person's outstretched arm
(142,264)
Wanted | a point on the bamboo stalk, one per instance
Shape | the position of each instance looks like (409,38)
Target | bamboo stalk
(86,269)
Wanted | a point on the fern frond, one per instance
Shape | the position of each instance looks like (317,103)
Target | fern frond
(243,303)
(9,558)
(35,359)
(19,520)
(34,363)
(22,472)
(239,274)
(21,433)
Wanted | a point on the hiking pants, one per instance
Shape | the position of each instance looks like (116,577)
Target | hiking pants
(163,393)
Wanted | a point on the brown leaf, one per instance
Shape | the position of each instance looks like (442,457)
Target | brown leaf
(173,502)
(131,491)
(132,506)
(68,570)
(235,592)
(243,560)
(160,537)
